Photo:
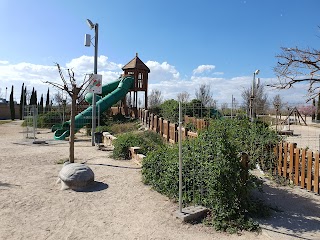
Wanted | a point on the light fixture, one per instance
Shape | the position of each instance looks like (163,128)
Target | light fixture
(90,24)
(257,72)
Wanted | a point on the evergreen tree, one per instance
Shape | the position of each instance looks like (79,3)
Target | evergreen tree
(25,96)
(12,110)
(41,104)
(35,98)
(32,98)
(21,101)
(47,101)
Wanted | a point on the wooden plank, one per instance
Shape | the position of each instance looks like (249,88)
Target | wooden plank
(309,171)
(291,160)
(316,173)
(285,160)
(303,168)
(296,167)
(280,159)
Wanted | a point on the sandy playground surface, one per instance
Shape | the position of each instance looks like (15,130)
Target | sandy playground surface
(120,206)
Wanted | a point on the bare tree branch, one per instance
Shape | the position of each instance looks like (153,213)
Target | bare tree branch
(61,74)
(296,66)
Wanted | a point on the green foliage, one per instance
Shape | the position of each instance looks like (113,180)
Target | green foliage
(48,119)
(117,124)
(21,101)
(155,110)
(169,110)
(147,141)
(213,175)
(195,108)
(102,128)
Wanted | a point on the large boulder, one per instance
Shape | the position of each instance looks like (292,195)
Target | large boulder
(75,176)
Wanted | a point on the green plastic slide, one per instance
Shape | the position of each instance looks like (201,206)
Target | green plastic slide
(111,93)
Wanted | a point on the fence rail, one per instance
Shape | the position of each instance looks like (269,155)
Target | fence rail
(299,166)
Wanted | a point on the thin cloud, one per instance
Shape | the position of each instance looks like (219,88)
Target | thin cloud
(203,68)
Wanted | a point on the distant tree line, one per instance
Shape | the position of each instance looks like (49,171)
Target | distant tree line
(29,99)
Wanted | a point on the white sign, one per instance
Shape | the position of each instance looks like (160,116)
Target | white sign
(95,85)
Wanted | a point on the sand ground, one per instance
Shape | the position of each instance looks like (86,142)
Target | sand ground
(120,206)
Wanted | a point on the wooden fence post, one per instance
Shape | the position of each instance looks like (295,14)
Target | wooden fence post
(168,130)
(296,167)
(292,150)
(280,159)
(285,160)
(161,126)
(147,118)
(151,121)
(303,168)
(309,171)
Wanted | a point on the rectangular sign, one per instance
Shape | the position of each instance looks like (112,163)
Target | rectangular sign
(95,85)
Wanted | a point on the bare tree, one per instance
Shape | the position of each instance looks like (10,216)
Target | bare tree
(74,92)
(203,93)
(155,98)
(298,65)
(260,99)
(183,97)
(277,102)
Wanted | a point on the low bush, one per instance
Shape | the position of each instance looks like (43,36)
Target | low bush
(213,175)
(147,141)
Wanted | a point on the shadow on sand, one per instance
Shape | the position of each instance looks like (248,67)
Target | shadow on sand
(110,165)
(298,215)
(94,187)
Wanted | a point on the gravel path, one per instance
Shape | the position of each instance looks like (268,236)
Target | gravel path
(120,206)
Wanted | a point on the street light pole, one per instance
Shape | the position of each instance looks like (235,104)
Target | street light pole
(95,71)
(252,94)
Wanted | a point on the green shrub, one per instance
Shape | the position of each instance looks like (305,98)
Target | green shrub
(118,128)
(212,171)
(103,128)
(147,141)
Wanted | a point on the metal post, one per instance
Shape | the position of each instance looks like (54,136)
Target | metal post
(231,106)
(94,94)
(252,97)
(98,115)
(180,158)
(34,118)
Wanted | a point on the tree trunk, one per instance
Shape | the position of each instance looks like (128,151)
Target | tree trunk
(72,125)
(313,114)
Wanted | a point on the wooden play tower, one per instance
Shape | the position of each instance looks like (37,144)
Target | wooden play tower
(140,72)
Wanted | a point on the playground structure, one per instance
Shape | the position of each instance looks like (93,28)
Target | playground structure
(294,117)
(134,79)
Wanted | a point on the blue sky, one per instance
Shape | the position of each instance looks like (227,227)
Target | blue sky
(184,43)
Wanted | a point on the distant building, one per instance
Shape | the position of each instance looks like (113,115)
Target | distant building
(3,101)
(5,109)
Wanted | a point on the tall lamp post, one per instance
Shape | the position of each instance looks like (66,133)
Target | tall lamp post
(87,44)
(253,94)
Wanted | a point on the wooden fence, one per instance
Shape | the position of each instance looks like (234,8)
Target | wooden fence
(299,166)
(168,130)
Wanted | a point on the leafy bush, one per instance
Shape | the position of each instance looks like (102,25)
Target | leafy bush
(46,120)
(213,175)
(169,110)
(147,141)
